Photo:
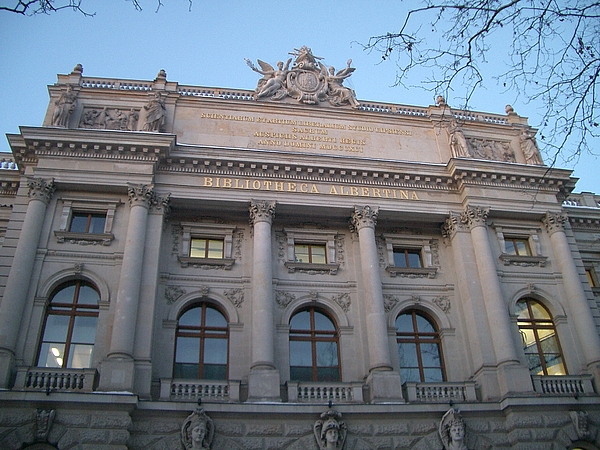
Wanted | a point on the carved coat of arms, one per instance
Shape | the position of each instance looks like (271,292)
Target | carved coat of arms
(308,80)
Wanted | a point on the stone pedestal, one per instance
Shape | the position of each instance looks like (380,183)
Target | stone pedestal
(384,386)
(264,385)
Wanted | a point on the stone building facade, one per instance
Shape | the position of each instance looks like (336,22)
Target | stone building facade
(291,268)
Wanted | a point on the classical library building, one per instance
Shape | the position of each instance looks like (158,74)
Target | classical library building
(291,268)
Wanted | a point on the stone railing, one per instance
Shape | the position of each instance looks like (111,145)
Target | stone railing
(228,94)
(8,163)
(193,390)
(441,392)
(56,380)
(121,85)
(317,392)
(570,385)
(586,199)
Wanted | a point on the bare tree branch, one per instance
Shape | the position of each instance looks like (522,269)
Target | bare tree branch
(35,7)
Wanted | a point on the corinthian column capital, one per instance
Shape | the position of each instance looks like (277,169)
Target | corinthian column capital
(40,189)
(475,216)
(140,194)
(261,211)
(555,221)
(363,216)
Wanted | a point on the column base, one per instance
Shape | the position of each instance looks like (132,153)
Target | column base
(264,385)
(117,374)
(514,379)
(143,379)
(7,368)
(385,386)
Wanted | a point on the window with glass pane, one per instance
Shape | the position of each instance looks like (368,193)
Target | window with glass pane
(419,348)
(87,223)
(310,253)
(314,347)
(202,341)
(590,273)
(206,248)
(70,327)
(408,258)
(539,339)
(517,246)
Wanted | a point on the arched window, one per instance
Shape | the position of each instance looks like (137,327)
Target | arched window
(419,348)
(538,335)
(70,327)
(314,347)
(202,341)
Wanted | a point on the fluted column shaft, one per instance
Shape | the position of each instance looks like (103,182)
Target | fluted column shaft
(263,330)
(497,310)
(126,308)
(364,220)
(19,278)
(577,300)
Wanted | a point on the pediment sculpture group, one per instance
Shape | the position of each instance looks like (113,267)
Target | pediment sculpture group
(198,431)
(308,80)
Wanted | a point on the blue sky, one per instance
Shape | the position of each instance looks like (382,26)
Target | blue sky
(207,47)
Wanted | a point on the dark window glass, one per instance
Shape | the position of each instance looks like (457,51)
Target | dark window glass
(87,223)
(202,341)
(539,338)
(517,246)
(70,327)
(314,347)
(419,348)
(407,258)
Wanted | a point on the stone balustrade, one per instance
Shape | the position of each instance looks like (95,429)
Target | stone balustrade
(57,380)
(569,385)
(444,392)
(193,390)
(322,392)
(585,199)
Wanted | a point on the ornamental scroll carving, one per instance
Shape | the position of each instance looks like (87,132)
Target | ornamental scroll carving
(40,189)
(284,298)
(475,216)
(197,431)
(261,211)
(555,221)
(308,80)
(140,194)
(43,423)
(330,431)
(343,300)
(363,216)
(235,296)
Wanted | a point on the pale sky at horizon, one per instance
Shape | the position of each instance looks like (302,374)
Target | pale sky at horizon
(207,47)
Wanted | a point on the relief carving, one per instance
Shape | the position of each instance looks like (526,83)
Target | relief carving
(284,298)
(491,149)
(452,431)
(197,431)
(43,423)
(443,302)
(308,80)
(110,119)
(330,432)
(41,189)
(343,300)
(389,301)
(173,293)
(235,296)
(363,216)
(153,115)
(64,107)
(555,221)
(456,139)
(261,211)
(530,148)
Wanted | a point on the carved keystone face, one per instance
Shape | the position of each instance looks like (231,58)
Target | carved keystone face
(457,432)
(331,436)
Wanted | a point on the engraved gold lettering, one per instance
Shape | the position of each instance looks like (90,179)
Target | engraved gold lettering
(333,191)
(414,196)
(218,182)
(256,184)
(237,184)
(226,182)
(291,187)
(208,181)
(268,185)
(376,192)
(404,194)
(364,191)
(353,191)
(303,187)
(313,189)
(279,185)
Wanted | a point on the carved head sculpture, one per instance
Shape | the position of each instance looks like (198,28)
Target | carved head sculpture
(330,431)
(197,431)
(452,431)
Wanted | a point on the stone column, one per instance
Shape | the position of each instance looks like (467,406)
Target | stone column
(581,319)
(117,369)
(383,382)
(512,376)
(19,278)
(263,380)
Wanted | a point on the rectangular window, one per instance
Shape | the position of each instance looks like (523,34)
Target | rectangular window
(517,246)
(591,277)
(310,253)
(206,248)
(407,258)
(82,222)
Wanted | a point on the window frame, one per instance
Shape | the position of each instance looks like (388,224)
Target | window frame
(324,238)
(74,311)
(535,326)
(312,337)
(90,206)
(394,242)
(202,333)
(416,338)
(196,230)
(518,232)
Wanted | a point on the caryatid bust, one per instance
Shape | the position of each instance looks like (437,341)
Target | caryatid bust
(197,431)
(330,431)
(452,431)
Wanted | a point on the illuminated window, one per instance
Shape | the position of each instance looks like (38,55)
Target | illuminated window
(407,258)
(70,327)
(201,348)
(314,347)
(206,248)
(310,253)
(590,273)
(539,338)
(87,223)
(517,246)
(419,348)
